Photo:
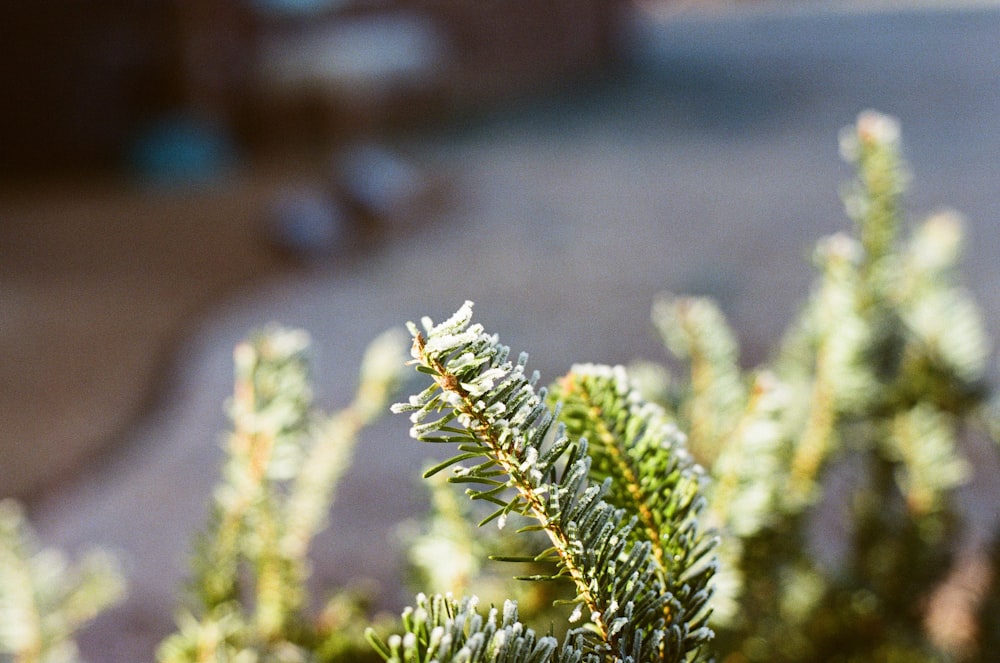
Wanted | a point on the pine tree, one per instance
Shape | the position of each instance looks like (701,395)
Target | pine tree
(874,388)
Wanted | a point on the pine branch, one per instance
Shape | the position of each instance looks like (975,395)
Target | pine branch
(947,347)
(44,599)
(440,628)
(283,463)
(922,441)
(484,404)
(840,379)
(872,146)
(640,449)
(749,475)
(269,411)
(694,329)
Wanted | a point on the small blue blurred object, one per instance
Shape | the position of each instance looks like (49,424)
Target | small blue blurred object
(294,7)
(305,224)
(181,150)
(378,182)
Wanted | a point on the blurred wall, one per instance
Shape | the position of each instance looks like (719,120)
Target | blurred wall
(78,77)
(85,79)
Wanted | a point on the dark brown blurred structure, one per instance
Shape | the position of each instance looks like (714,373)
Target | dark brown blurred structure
(100,276)
(83,79)
(77,77)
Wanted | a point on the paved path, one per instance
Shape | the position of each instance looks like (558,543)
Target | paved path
(712,168)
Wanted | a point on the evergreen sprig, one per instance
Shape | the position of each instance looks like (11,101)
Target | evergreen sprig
(439,628)
(515,455)
(282,465)
(696,330)
(44,598)
(637,445)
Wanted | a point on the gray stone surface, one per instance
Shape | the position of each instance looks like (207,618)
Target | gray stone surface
(712,167)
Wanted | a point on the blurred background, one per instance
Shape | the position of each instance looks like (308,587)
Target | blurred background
(159,154)
(176,173)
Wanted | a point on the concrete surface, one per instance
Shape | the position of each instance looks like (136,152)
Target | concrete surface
(712,167)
